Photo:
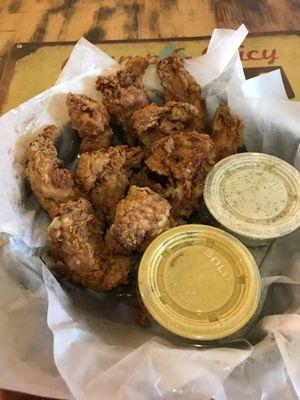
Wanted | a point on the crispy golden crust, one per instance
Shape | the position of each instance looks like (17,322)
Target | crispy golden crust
(155,122)
(185,159)
(114,246)
(96,143)
(105,175)
(227,132)
(75,239)
(140,217)
(145,178)
(124,93)
(90,118)
(50,182)
(181,156)
(179,85)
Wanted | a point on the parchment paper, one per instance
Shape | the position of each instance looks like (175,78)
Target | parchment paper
(97,349)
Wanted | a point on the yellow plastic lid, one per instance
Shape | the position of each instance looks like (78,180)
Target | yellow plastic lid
(254,195)
(199,282)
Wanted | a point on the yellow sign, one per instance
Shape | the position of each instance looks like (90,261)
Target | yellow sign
(33,68)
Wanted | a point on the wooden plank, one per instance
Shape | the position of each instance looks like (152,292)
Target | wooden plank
(259,16)
(65,20)
(175,18)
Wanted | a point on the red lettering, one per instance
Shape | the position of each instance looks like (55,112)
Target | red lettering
(251,53)
(254,55)
(272,57)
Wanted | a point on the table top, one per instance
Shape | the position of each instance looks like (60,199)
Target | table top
(68,20)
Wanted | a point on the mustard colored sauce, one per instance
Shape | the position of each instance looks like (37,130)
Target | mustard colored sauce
(199,282)
(199,279)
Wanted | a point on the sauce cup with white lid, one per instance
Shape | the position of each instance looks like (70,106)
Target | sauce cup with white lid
(254,196)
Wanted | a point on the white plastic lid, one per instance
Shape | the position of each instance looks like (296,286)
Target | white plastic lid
(254,195)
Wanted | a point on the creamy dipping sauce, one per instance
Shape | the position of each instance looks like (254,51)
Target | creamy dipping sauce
(255,196)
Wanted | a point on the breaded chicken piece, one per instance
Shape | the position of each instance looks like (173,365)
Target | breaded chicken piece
(140,217)
(105,175)
(147,178)
(114,246)
(91,120)
(184,159)
(124,92)
(50,182)
(179,85)
(76,245)
(155,122)
(227,132)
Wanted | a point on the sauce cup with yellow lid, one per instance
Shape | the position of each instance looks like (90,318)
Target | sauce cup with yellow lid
(254,196)
(199,283)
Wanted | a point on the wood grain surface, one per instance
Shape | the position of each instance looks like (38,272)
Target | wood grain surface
(66,20)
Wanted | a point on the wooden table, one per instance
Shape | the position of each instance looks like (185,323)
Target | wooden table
(68,20)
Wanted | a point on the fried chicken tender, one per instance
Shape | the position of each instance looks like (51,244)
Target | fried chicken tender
(185,159)
(140,217)
(227,132)
(91,120)
(147,178)
(124,93)
(76,245)
(50,182)
(155,122)
(179,85)
(114,246)
(105,175)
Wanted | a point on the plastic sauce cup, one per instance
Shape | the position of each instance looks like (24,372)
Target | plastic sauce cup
(254,196)
(199,283)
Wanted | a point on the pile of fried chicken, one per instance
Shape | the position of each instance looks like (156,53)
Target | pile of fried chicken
(122,196)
